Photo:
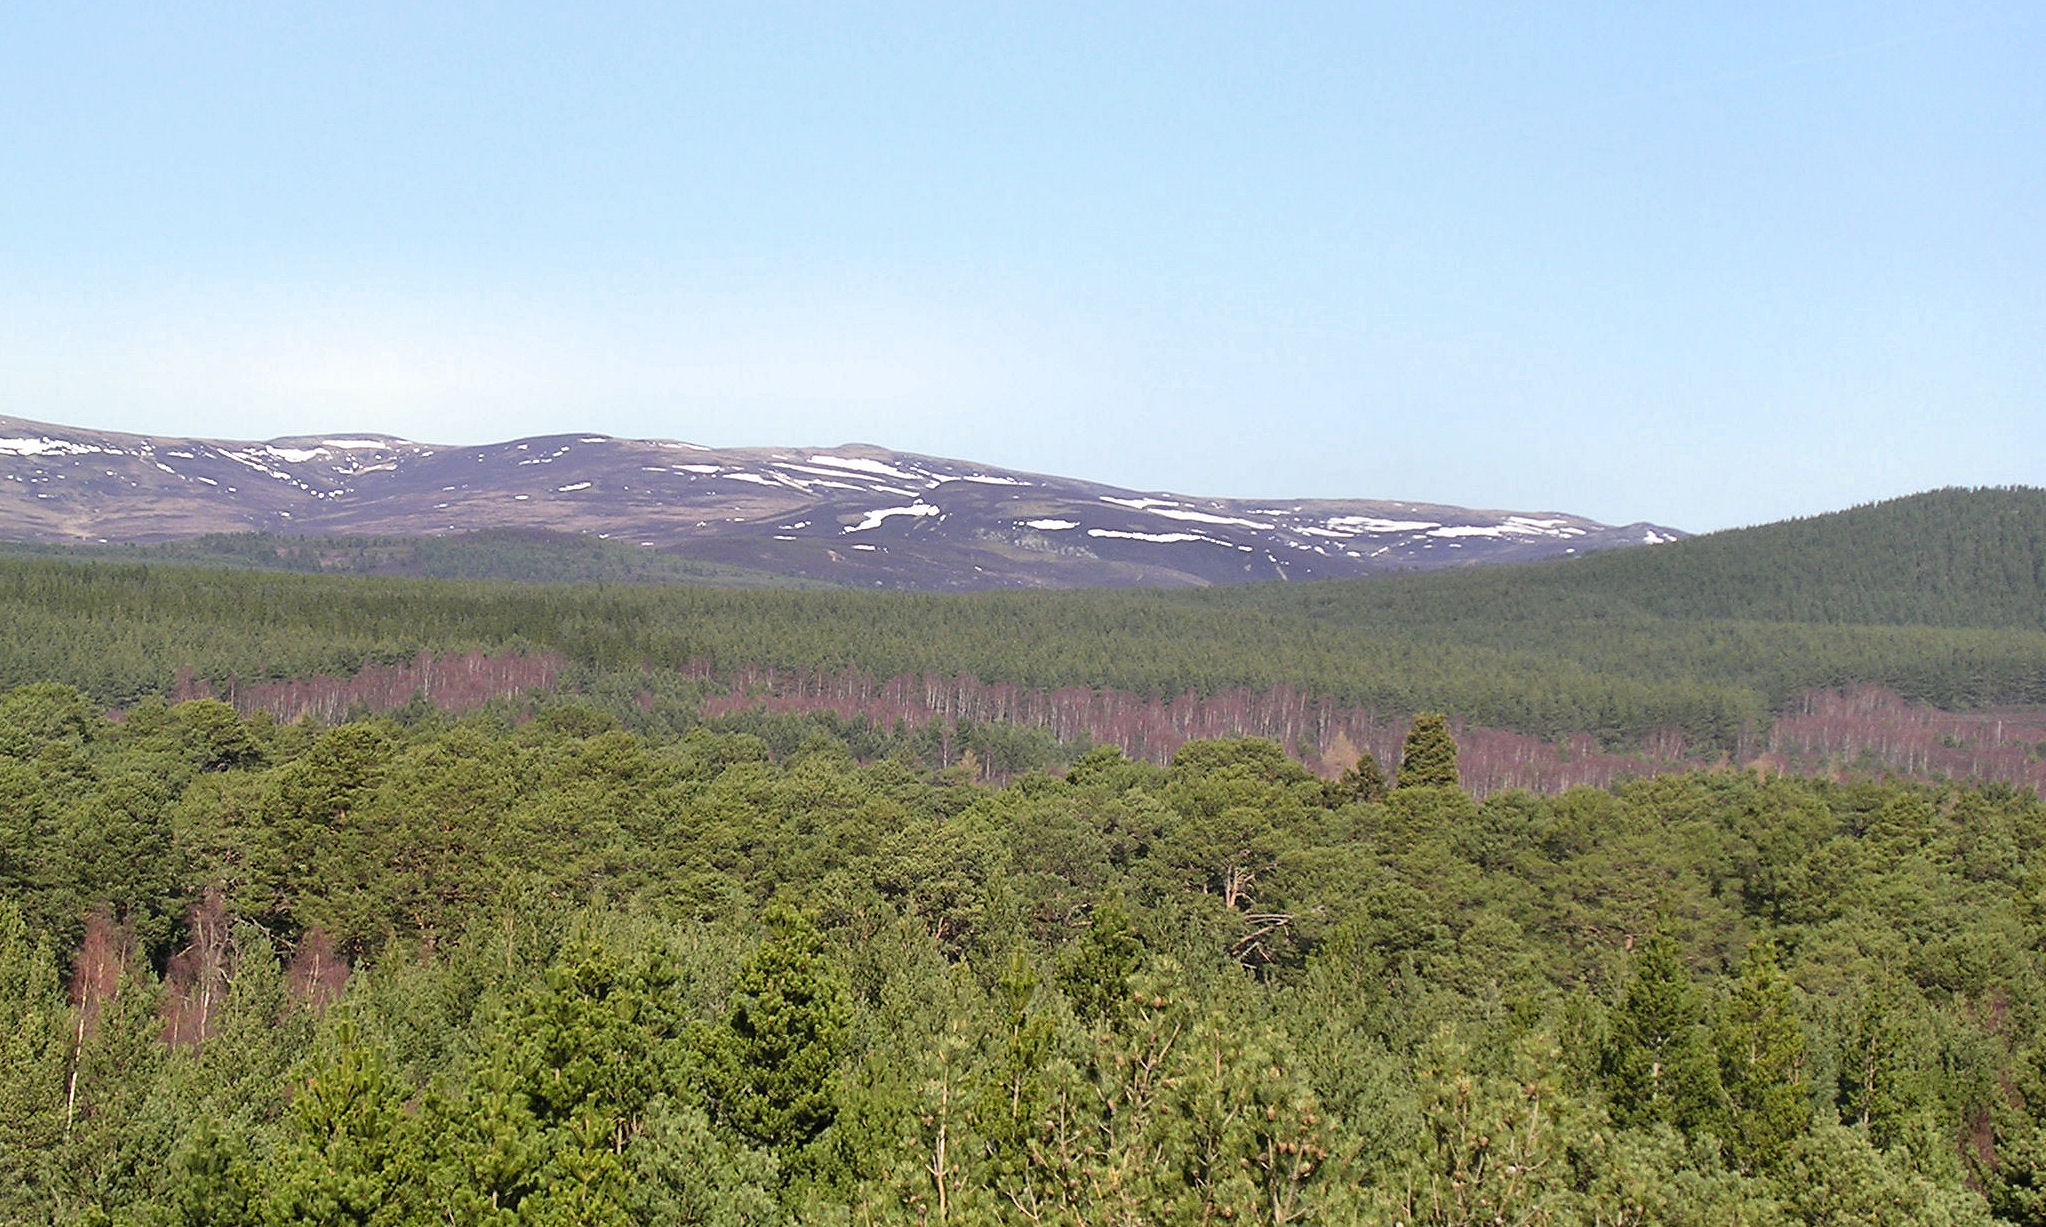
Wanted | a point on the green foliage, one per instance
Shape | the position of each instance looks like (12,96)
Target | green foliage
(460,972)
(1659,1066)
(1428,759)
(770,1066)
(1937,597)
(34,1029)
(350,1152)
(1363,781)
(1495,1149)
(1762,1062)
(1096,972)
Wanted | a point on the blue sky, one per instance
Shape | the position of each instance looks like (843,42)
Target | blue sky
(1705,265)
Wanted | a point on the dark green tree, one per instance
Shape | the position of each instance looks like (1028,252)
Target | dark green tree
(1659,1066)
(1364,781)
(1095,974)
(769,1065)
(1762,1061)
(351,1153)
(35,1029)
(1428,759)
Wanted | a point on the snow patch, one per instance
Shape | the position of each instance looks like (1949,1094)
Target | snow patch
(810,469)
(863,465)
(1373,524)
(1139,503)
(571,489)
(296,455)
(874,518)
(1160,538)
(1471,530)
(1051,526)
(701,468)
(356,445)
(248,460)
(46,446)
(1202,517)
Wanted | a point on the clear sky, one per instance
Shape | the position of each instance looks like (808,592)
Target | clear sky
(1698,264)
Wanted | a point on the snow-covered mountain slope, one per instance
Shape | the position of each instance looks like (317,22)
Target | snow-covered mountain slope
(853,514)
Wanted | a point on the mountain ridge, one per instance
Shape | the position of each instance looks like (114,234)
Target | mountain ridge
(853,514)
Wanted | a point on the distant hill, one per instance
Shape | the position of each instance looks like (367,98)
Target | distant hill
(854,516)
(514,555)
(1953,557)
(1948,558)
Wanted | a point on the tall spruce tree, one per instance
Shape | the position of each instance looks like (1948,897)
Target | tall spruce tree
(1428,760)
(1762,1059)
(1659,1067)
(769,1067)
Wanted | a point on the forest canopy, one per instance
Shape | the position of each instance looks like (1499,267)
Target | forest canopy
(457,971)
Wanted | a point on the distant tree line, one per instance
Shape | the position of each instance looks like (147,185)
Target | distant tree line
(1493,649)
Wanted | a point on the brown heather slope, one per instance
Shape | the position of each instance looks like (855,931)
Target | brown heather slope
(855,515)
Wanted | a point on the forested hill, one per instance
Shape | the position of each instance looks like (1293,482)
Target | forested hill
(1611,646)
(513,555)
(1952,558)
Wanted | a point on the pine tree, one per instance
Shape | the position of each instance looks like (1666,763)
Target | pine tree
(33,1052)
(214,1180)
(1761,1044)
(1095,974)
(1363,782)
(351,1153)
(768,1068)
(1659,1068)
(1428,759)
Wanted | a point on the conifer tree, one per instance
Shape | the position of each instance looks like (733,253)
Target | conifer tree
(33,1052)
(1364,781)
(1762,1057)
(351,1153)
(214,1180)
(1428,759)
(1659,1068)
(1095,975)
(769,1066)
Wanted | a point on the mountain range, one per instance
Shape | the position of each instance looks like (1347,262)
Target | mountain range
(855,514)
